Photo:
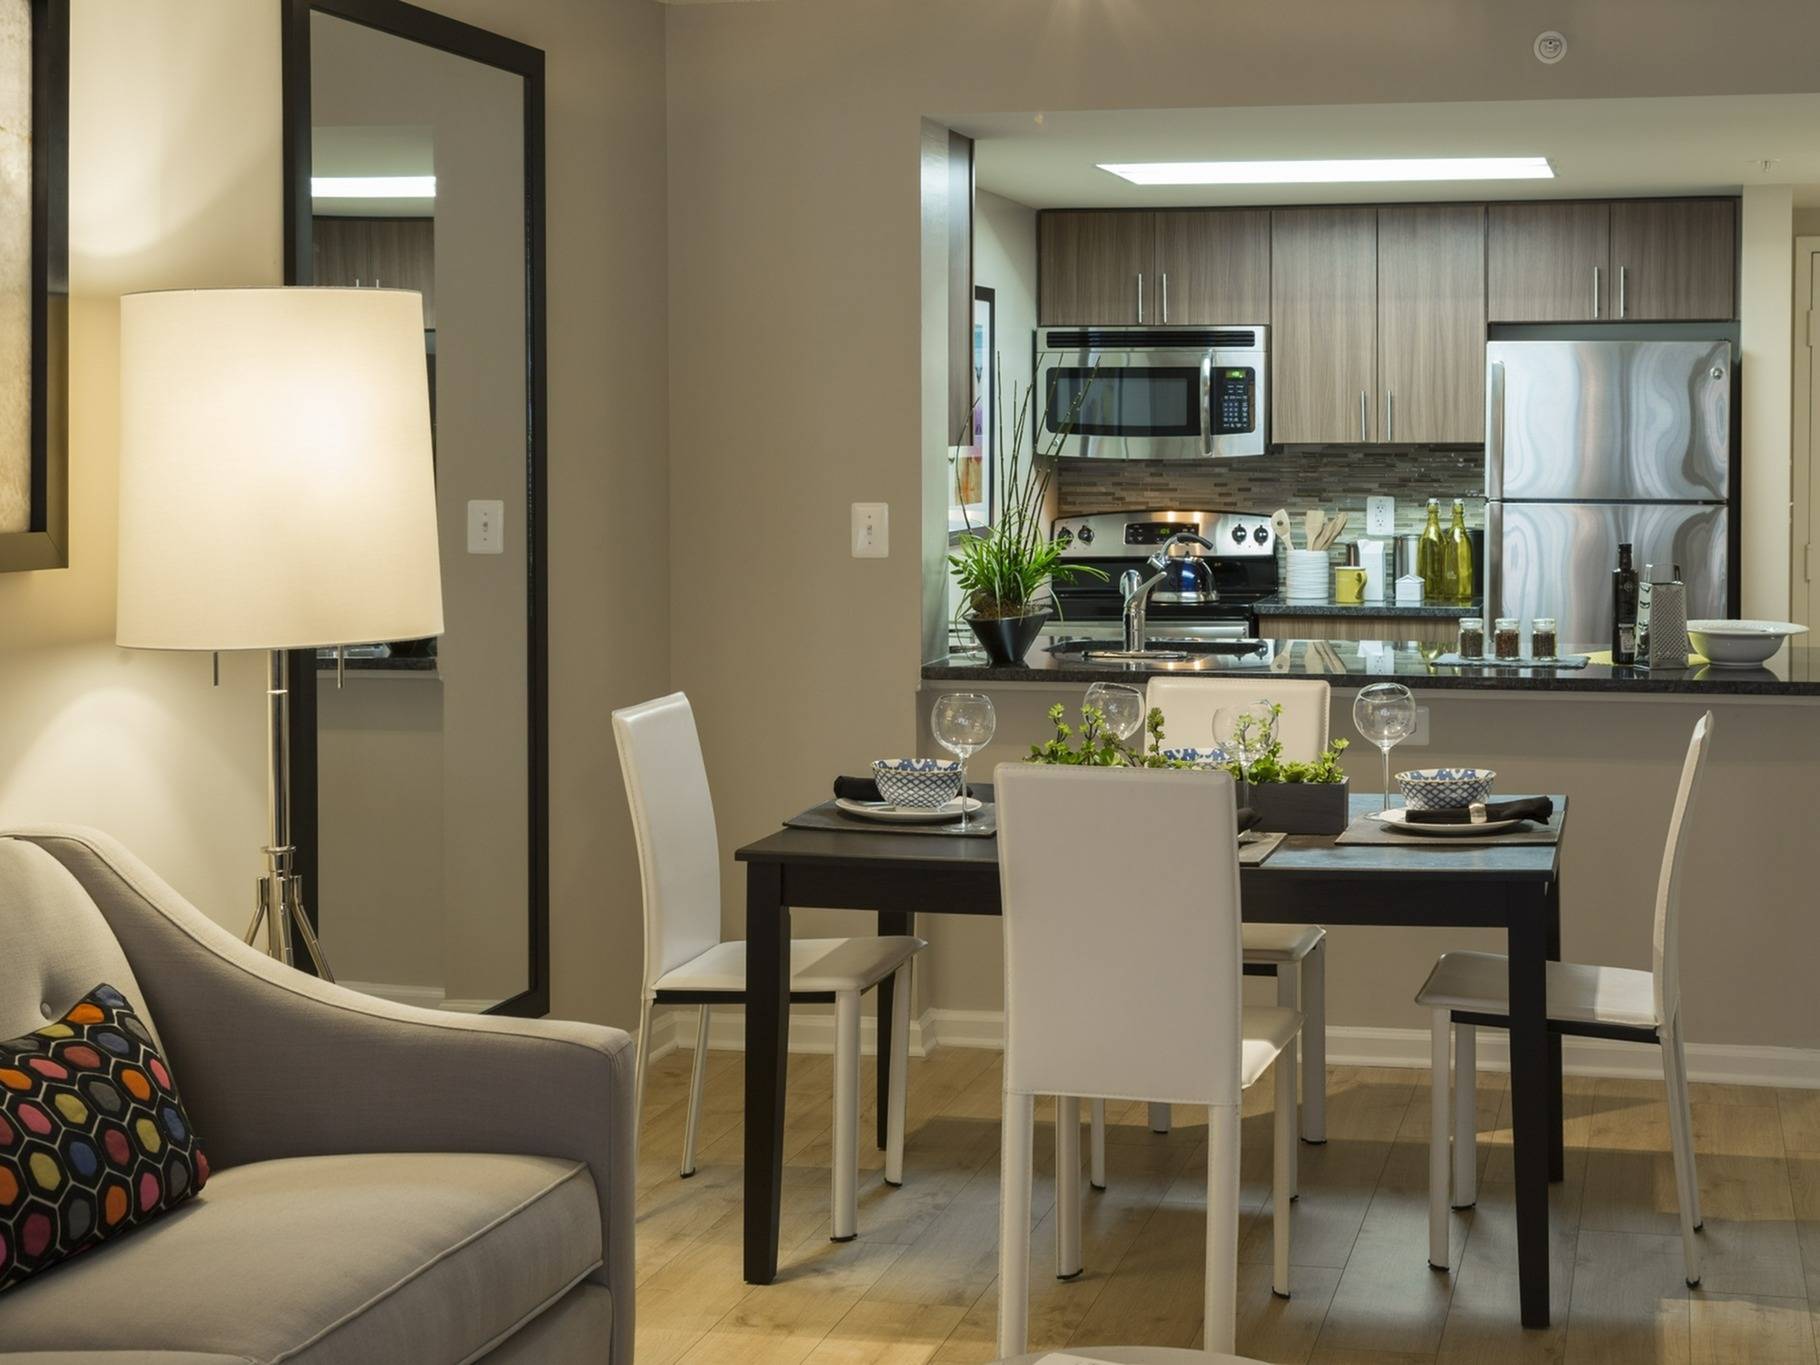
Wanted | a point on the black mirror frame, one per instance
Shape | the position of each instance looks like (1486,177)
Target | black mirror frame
(463,40)
(44,544)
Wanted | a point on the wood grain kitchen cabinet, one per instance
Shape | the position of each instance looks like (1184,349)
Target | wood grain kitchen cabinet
(1095,268)
(1323,316)
(391,253)
(1548,262)
(1431,324)
(1674,259)
(1212,266)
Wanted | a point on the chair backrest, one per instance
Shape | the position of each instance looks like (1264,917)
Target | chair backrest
(1665,963)
(1121,906)
(673,817)
(1188,705)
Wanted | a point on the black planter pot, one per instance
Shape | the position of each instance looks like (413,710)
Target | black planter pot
(1298,807)
(1007,639)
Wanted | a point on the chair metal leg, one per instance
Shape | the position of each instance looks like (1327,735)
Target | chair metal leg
(1314,1044)
(844,1159)
(1681,1143)
(1465,1116)
(1159,1118)
(1067,1187)
(1440,1027)
(1289,980)
(1096,1144)
(1017,1130)
(697,1079)
(1687,1123)
(1282,1174)
(1220,1311)
(900,1076)
(642,1063)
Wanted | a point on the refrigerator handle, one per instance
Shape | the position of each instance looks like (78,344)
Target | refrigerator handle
(1494,430)
(1494,563)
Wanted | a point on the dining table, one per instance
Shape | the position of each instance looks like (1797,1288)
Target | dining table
(1426,882)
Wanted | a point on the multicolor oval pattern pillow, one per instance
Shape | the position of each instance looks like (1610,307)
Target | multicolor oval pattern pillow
(93,1137)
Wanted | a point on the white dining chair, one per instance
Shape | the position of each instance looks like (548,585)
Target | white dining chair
(1295,954)
(686,963)
(1116,989)
(1469,991)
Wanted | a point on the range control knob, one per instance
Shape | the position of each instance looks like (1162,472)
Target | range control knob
(1238,535)
(1261,534)
(1084,535)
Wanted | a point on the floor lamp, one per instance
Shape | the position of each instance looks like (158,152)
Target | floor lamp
(277,492)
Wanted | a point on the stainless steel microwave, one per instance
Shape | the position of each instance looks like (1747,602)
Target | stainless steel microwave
(1154,393)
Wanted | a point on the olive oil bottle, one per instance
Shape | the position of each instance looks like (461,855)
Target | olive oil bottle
(1431,556)
(1456,560)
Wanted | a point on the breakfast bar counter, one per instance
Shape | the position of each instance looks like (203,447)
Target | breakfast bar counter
(1792,673)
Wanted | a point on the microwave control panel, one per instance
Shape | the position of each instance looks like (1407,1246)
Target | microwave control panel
(1234,401)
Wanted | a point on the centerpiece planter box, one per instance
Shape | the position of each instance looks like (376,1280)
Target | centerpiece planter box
(1299,807)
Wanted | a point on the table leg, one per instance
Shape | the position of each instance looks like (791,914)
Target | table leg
(1557,1113)
(890,922)
(1529,1089)
(767,1063)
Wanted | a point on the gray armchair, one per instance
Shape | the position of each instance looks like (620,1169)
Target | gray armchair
(388,1183)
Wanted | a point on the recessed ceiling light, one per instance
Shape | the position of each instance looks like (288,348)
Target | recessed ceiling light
(373,186)
(1333,172)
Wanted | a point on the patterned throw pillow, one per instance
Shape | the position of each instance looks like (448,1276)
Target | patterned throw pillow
(93,1137)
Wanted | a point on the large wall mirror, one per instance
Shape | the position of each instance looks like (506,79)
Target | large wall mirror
(415,160)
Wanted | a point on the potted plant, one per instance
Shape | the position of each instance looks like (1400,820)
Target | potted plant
(1005,571)
(1290,796)
(1097,747)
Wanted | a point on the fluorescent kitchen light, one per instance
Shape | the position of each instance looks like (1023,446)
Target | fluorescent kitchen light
(1333,172)
(373,186)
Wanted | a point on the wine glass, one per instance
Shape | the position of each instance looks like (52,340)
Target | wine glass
(1121,704)
(1245,733)
(963,723)
(1385,714)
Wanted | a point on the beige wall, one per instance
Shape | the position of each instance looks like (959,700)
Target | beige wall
(804,663)
(1766,291)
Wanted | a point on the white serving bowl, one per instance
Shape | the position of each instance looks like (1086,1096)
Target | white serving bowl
(1740,644)
(921,782)
(1444,788)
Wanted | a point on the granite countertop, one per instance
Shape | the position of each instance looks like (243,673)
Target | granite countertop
(1281,606)
(1792,672)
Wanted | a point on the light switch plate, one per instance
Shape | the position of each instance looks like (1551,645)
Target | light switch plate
(486,526)
(1380,516)
(871,530)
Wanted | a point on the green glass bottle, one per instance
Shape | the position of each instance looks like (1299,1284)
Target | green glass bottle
(1431,556)
(1457,585)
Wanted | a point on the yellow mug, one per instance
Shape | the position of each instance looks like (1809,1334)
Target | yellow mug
(1349,585)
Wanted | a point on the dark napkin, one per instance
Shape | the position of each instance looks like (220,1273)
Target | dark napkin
(1248,818)
(1537,808)
(864,789)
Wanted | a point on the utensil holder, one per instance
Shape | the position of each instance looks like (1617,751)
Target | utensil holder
(1309,578)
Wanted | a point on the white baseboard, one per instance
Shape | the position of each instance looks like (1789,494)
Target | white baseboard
(1797,1068)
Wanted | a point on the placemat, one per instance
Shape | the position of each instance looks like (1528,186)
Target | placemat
(1603,656)
(1366,830)
(1461,661)
(982,824)
(1258,849)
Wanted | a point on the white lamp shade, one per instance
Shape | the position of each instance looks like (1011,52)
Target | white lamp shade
(277,489)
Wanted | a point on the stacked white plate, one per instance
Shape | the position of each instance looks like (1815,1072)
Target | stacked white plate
(1310,577)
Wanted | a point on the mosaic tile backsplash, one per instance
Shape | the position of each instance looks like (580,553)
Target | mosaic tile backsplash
(1335,480)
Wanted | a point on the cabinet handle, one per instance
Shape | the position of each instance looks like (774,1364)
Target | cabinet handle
(1390,414)
(1140,295)
(1595,292)
(1364,420)
(1165,279)
(1623,270)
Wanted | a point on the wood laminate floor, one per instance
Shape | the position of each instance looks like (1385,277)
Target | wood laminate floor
(919,1284)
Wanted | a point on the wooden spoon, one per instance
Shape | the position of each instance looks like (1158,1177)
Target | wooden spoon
(1331,531)
(1311,526)
(1279,522)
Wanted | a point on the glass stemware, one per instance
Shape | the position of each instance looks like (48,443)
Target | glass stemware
(1244,733)
(963,723)
(1385,714)
(1121,704)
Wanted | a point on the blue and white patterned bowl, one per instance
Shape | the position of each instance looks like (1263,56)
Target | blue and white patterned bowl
(1197,758)
(1444,788)
(922,782)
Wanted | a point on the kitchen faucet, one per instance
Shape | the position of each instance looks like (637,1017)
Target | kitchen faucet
(1193,584)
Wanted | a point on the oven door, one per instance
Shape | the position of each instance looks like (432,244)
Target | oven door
(1154,402)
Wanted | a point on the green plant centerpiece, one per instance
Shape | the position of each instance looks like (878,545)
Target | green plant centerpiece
(1095,746)
(1005,571)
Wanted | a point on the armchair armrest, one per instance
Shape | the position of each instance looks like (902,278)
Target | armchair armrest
(276,1063)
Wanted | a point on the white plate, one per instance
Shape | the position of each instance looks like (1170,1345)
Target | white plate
(906,815)
(1398,818)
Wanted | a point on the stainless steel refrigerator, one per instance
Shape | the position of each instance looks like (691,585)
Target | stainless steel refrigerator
(1590,443)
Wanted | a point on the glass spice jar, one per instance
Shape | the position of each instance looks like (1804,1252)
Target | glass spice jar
(1543,643)
(1472,637)
(1507,638)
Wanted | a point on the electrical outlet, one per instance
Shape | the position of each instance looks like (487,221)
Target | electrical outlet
(1380,516)
(486,526)
(871,530)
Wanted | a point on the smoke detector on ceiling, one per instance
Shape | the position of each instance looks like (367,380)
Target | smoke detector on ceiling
(1550,47)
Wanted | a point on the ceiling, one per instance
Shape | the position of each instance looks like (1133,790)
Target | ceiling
(373,149)
(1706,145)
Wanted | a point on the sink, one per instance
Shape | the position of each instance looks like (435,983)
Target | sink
(1160,652)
